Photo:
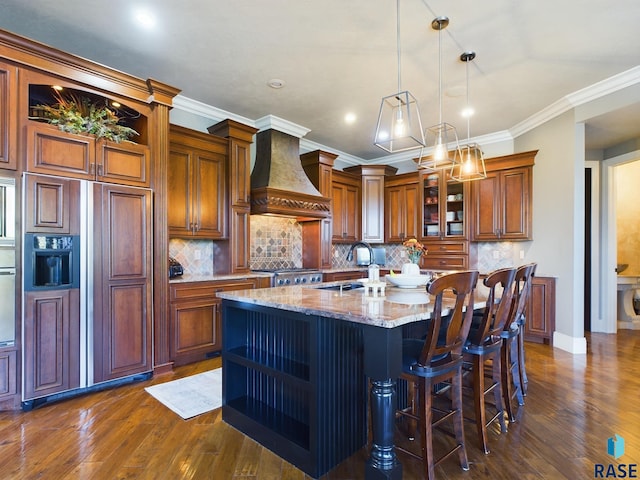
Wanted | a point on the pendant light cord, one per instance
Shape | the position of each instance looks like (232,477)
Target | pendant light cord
(468,104)
(398,45)
(440,73)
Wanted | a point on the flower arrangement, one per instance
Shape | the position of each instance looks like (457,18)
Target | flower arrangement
(414,250)
(77,114)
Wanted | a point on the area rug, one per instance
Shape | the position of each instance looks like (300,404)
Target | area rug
(191,396)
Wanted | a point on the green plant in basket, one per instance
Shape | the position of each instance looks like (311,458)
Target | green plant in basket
(77,114)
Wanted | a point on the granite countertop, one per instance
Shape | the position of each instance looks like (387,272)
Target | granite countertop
(397,307)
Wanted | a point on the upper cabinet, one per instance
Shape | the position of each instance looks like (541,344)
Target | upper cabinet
(197,195)
(373,200)
(8,116)
(346,207)
(105,156)
(402,207)
(501,206)
(444,207)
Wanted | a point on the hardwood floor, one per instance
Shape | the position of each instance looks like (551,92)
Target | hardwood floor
(575,403)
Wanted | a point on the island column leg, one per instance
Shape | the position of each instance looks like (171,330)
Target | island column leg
(383,364)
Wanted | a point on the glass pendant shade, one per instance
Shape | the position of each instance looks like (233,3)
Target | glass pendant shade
(442,139)
(470,165)
(399,127)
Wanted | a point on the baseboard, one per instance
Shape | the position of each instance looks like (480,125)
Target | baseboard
(575,345)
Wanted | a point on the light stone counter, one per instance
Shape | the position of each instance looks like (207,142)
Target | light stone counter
(397,307)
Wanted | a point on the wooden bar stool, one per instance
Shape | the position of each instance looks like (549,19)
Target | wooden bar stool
(512,380)
(427,363)
(484,344)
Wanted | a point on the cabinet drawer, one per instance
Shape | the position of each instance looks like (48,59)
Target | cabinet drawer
(196,290)
(445,262)
(447,246)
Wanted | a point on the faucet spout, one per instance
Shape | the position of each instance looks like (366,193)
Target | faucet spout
(360,244)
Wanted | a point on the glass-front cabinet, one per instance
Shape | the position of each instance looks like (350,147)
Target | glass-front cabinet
(444,214)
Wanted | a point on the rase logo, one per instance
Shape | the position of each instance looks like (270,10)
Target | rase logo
(615,448)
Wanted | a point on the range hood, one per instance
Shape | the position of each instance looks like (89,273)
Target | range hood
(279,184)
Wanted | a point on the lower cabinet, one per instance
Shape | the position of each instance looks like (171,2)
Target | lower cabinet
(196,320)
(8,375)
(541,311)
(346,275)
(51,342)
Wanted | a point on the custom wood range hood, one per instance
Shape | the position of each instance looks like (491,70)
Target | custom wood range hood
(279,184)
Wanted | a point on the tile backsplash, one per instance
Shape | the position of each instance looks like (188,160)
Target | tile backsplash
(276,243)
(196,256)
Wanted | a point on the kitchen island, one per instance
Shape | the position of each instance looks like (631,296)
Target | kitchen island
(296,368)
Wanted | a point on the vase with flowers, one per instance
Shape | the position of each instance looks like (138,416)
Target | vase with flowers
(414,250)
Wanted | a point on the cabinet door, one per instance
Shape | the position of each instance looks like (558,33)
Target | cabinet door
(515,204)
(486,208)
(373,209)
(239,240)
(8,116)
(338,204)
(541,310)
(394,218)
(54,152)
(195,330)
(123,163)
(179,193)
(52,205)
(51,342)
(210,194)
(122,281)
(8,374)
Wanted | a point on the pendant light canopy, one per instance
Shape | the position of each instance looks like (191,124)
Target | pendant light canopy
(399,126)
(470,165)
(441,138)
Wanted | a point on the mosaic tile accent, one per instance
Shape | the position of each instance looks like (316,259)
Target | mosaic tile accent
(195,256)
(276,243)
(494,255)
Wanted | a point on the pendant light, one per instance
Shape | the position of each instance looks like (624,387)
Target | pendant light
(399,127)
(441,138)
(470,165)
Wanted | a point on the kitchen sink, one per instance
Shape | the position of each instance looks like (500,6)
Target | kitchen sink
(342,287)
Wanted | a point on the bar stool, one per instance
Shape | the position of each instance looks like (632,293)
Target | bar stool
(512,380)
(484,344)
(428,362)
(522,372)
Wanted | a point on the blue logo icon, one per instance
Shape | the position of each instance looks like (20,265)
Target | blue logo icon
(615,446)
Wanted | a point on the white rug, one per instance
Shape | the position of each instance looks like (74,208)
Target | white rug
(191,396)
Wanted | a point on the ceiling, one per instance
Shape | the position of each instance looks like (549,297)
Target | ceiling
(337,57)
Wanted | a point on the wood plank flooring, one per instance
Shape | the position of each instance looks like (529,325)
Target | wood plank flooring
(575,403)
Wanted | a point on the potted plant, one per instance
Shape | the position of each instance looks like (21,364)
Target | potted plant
(77,114)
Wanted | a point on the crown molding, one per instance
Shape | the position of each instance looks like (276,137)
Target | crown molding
(195,107)
(282,125)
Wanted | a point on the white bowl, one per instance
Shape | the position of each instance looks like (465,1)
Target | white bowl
(407,281)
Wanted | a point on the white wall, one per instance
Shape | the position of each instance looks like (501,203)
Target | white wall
(558,220)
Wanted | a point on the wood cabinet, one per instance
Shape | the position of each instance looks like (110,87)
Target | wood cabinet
(317,234)
(346,207)
(444,225)
(8,375)
(197,190)
(122,281)
(54,152)
(540,311)
(196,323)
(239,138)
(346,275)
(402,208)
(52,205)
(373,199)
(501,206)
(51,332)
(8,116)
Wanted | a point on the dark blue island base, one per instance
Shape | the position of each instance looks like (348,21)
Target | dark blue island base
(297,384)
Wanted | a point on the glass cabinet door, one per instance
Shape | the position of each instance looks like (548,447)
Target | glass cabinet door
(443,209)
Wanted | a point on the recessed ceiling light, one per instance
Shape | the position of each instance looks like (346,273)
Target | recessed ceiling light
(350,118)
(145,18)
(276,83)
(468,112)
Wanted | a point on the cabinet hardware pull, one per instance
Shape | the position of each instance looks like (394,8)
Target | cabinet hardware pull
(100,170)
(92,169)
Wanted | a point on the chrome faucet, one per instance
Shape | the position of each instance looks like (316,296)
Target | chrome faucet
(361,244)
